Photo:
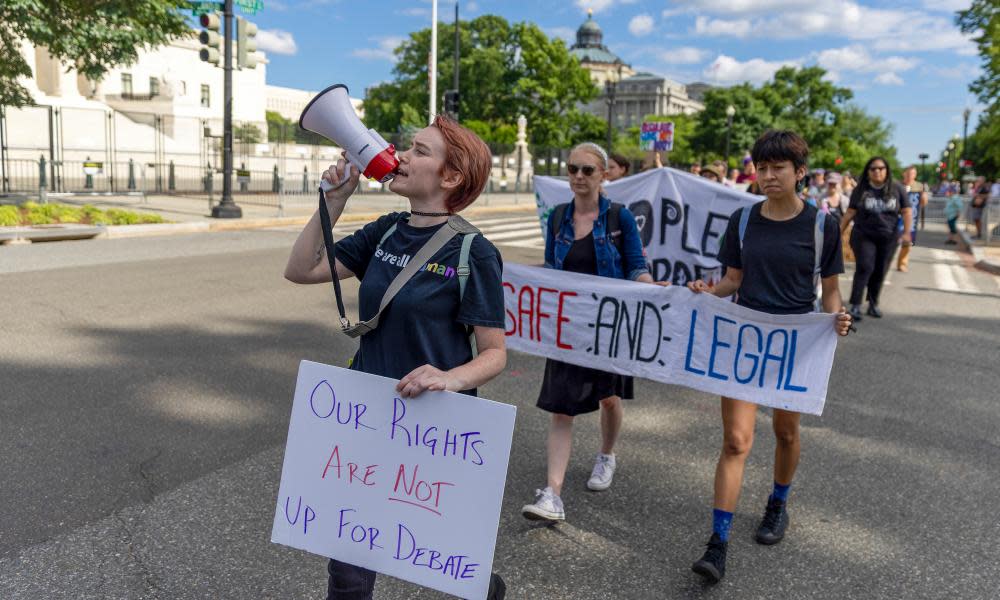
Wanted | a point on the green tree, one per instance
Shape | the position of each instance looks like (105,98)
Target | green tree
(841,135)
(279,129)
(982,20)
(753,116)
(248,133)
(92,36)
(506,70)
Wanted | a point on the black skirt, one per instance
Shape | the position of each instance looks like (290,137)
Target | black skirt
(573,390)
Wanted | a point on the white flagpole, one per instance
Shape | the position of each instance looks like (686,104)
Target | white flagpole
(432,67)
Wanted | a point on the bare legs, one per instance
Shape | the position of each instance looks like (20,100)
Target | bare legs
(561,439)
(738,430)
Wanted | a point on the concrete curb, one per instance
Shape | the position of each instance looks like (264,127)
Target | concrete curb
(154,229)
(979,258)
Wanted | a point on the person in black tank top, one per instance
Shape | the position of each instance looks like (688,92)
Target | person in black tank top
(770,271)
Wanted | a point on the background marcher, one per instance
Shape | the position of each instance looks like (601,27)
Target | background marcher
(917,193)
(875,209)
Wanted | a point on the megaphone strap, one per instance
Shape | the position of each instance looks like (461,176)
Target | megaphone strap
(331,257)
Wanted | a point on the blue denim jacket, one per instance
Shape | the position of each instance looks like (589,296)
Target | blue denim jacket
(559,238)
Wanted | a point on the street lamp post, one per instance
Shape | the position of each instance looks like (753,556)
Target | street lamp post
(610,89)
(951,152)
(730,113)
(965,136)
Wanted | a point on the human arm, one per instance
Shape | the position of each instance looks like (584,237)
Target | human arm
(492,359)
(849,215)
(633,258)
(307,262)
(907,225)
(727,286)
(833,303)
(550,240)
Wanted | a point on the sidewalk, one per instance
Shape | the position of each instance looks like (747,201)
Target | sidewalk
(192,213)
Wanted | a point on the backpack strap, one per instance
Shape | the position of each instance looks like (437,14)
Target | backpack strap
(818,257)
(744,219)
(615,228)
(463,264)
(558,214)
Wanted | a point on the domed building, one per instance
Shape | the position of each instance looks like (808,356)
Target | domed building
(594,56)
(636,94)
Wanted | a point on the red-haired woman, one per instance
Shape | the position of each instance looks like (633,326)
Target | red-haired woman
(422,338)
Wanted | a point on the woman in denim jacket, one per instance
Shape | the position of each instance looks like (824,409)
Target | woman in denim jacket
(582,243)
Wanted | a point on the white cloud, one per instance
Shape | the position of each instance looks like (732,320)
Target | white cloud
(685,55)
(641,25)
(727,70)
(382,51)
(857,59)
(596,5)
(471,6)
(415,11)
(276,41)
(903,29)
(949,6)
(889,79)
(564,33)
(739,28)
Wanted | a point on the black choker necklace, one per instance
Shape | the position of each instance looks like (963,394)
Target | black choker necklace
(429,214)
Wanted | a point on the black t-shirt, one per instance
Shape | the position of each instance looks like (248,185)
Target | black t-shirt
(878,212)
(777,259)
(424,323)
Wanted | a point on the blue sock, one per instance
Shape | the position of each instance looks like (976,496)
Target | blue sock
(780,491)
(721,521)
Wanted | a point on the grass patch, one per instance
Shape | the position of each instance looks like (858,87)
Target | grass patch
(33,213)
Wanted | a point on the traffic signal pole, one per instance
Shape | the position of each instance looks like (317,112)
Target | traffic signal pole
(226,208)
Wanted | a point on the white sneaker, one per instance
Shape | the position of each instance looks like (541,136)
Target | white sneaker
(547,507)
(603,473)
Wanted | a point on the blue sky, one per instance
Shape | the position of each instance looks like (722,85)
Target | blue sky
(905,60)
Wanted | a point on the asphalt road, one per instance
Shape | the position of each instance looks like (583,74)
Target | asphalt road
(145,387)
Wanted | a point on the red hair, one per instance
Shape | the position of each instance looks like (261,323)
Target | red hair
(466,155)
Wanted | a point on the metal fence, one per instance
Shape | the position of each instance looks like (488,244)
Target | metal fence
(935,212)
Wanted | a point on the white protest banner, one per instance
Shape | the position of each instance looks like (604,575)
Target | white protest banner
(407,487)
(681,217)
(671,335)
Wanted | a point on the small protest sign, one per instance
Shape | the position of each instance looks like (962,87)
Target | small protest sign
(656,136)
(407,487)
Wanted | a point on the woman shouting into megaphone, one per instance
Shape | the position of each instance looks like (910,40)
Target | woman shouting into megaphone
(422,335)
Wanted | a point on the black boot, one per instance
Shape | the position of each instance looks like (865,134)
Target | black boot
(874,311)
(773,525)
(712,565)
(498,589)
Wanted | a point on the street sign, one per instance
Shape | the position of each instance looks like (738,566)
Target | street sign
(243,175)
(201,7)
(250,7)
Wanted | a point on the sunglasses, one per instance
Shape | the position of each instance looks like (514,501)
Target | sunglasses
(588,170)
(876,168)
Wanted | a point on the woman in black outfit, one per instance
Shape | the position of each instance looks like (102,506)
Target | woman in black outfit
(876,205)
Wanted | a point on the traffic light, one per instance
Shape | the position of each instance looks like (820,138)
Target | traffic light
(210,39)
(246,44)
(451,102)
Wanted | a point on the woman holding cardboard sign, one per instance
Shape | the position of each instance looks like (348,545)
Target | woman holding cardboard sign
(421,337)
(595,236)
(773,252)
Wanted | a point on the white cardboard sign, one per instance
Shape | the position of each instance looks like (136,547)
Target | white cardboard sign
(671,335)
(407,487)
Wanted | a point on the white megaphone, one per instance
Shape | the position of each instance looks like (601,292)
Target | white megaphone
(331,115)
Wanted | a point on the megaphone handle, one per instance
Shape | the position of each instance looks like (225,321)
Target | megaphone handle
(331,257)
